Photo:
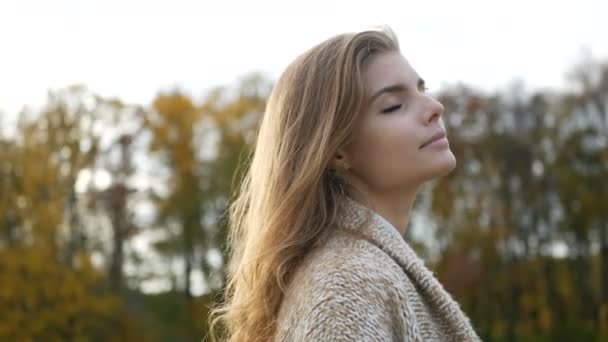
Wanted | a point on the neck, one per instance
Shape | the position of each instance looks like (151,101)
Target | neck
(395,207)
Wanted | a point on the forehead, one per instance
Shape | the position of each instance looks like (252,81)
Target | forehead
(387,69)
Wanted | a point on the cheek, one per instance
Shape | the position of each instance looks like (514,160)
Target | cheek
(384,153)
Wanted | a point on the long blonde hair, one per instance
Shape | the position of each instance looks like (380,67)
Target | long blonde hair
(289,196)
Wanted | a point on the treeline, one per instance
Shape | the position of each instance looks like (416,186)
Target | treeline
(101,200)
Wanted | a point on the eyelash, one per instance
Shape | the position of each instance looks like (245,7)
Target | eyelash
(396,107)
(391,109)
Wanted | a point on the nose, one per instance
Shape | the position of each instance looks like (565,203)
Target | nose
(434,110)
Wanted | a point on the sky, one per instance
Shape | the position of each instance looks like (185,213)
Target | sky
(133,49)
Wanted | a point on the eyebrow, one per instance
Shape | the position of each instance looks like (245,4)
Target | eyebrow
(396,88)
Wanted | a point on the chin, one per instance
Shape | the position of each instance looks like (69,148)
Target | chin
(443,166)
(450,163)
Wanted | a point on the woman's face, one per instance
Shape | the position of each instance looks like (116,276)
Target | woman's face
(391,149)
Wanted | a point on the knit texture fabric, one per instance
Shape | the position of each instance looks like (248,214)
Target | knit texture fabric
(365,283)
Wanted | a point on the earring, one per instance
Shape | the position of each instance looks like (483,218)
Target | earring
(341,188)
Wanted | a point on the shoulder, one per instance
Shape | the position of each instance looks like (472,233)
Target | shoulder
(347,260)
(344,289)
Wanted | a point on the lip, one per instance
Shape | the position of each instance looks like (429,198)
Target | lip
(437,136)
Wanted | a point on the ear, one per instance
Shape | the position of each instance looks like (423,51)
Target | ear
(340,161)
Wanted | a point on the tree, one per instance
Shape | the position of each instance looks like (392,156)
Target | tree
(49,287)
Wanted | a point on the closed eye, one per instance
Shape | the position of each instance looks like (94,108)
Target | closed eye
(391,109)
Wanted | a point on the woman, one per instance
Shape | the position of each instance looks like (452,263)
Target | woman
(317,248)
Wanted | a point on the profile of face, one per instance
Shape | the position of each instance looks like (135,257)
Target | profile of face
(400,141)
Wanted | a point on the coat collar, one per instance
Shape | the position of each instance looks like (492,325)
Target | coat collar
(362,220)
(384,235)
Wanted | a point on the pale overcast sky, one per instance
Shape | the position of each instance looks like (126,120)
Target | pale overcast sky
(133,49)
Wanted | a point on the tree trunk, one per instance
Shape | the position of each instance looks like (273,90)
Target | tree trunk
(118,194)
(187,258)
(602,314)
(515,292)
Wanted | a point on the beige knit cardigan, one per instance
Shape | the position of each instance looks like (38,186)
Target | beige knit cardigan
(365,283)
